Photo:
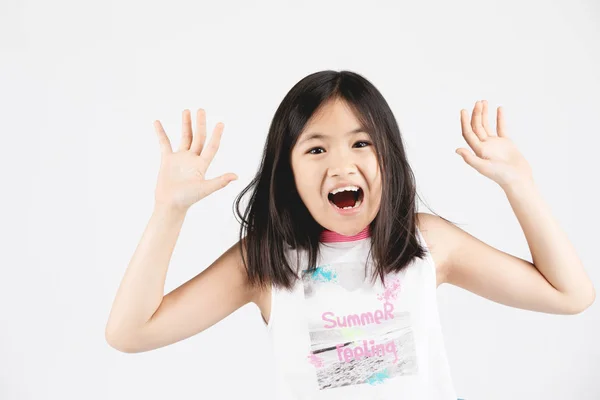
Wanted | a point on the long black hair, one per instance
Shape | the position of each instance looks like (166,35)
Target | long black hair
(276,217)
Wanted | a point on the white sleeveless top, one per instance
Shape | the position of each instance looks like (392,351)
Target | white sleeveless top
(337,335)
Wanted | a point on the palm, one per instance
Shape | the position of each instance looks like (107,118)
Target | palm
(181,174)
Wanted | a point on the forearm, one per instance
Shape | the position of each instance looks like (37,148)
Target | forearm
(552,252)
(142,287)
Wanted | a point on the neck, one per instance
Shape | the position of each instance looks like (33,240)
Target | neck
(328,236)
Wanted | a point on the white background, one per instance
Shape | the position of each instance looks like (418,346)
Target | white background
(82,82)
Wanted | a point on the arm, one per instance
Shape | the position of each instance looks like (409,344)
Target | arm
(142,319)
(467,262)
(552,253)
(556,281)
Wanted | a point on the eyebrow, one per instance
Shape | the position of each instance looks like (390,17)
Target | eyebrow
(318,135)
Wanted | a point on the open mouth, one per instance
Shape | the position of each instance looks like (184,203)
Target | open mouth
(346,198)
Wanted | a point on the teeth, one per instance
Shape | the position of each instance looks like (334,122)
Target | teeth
(341,189)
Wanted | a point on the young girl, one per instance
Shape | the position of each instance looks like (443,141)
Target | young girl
(332,250)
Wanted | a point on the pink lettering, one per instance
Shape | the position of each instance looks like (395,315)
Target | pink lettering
(328,320)
(348,354)
(363,319)
(388,308)
(378,316)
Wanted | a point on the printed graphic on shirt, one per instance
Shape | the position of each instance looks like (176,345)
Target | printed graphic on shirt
(358,335)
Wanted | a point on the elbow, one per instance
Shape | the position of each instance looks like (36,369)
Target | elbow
(581,304)
(119,341)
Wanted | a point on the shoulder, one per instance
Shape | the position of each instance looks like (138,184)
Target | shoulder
(439,236)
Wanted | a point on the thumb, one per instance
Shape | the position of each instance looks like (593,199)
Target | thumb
(219,182)
(471,159)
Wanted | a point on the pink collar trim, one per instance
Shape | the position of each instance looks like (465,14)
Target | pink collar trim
(328,236)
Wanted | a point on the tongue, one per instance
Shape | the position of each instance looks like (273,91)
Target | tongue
(344,199)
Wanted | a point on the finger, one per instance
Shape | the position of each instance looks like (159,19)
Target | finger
(470,137)
(500,124)
(163,139)
(484,119)
(214,184)
(200,136)
(186,131)
(478,163)
(476,121)
(213,145)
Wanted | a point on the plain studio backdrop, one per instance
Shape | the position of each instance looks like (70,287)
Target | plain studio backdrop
(81,84)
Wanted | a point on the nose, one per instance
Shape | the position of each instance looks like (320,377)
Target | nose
(341,165)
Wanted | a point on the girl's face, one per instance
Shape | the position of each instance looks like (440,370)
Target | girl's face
(333,153)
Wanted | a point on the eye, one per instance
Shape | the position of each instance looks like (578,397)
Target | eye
(363,143)
(311,151)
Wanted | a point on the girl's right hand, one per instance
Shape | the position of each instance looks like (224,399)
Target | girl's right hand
(182,175)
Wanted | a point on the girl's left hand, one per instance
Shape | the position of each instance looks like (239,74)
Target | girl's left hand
(496,156)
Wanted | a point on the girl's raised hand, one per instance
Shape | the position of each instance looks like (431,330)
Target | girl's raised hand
(182,175)
(495,156)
